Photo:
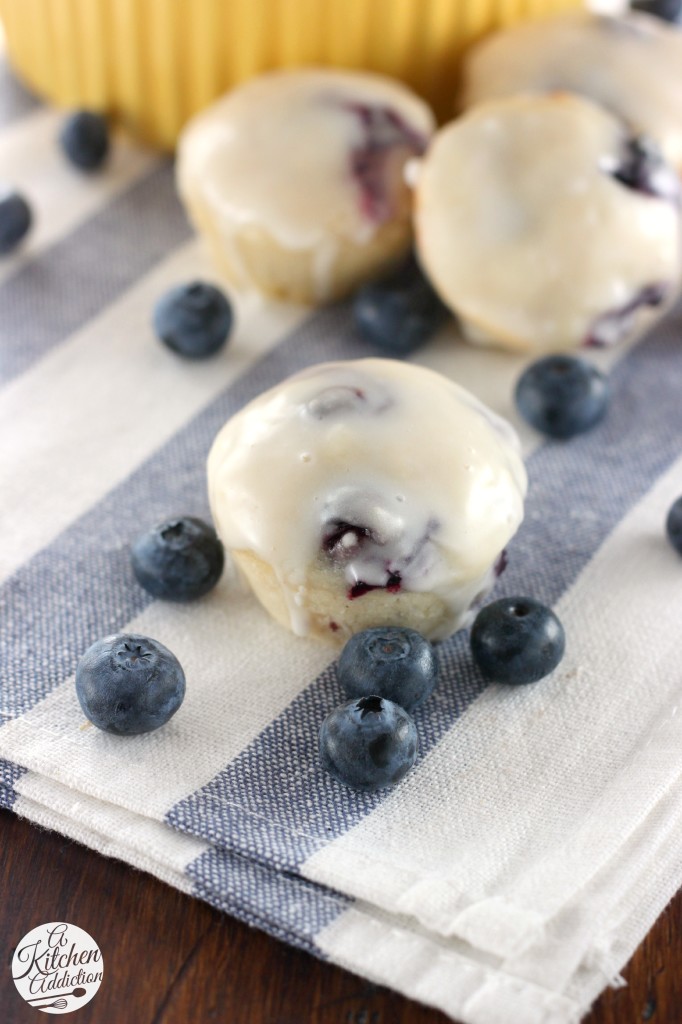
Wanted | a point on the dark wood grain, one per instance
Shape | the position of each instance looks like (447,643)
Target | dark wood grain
(170,959)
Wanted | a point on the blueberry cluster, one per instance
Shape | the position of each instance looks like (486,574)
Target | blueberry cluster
(371,742)
(128,683)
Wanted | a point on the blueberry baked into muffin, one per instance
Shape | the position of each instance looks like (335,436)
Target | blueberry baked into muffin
(367,493)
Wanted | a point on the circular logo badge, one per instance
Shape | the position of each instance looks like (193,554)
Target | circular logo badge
(57,967)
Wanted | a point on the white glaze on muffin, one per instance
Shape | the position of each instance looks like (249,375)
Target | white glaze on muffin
(306,168)
(630,65)
(537,227)
(367,493)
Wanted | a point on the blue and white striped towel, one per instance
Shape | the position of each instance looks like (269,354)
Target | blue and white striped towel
(510,876)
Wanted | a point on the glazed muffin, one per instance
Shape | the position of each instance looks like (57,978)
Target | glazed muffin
(631,65)
(367,493)
(296,180)
(545,225)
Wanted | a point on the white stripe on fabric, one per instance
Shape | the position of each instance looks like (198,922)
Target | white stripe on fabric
(60,196)
(571,940)
(83,417)
(374,944)
(450,853)
(438,975)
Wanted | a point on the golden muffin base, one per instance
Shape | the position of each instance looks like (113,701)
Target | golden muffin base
(253,259)
(325,608)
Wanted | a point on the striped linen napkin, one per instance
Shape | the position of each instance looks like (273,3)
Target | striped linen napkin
(514,871)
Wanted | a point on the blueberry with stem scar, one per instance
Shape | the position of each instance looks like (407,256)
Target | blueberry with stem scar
(393,662)
(516,641)
(368,744)
(129,684)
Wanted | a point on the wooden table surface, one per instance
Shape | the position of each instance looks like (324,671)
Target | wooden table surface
(171,959)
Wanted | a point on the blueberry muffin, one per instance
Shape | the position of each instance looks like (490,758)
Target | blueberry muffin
(631,65)
(296,179)
(367,493)
(545,225)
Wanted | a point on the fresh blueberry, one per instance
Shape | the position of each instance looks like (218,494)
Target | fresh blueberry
(398,664)
(368,744)
(15,220)
(669,10)
(85,139)
(399,313)
(562,395)
(129,684)
(194,320)
(673,525)
(178,560)
(517,640)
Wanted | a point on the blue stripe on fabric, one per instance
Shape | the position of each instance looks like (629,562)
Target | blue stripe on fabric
(52,295)
(81,586)
(286,906)
(15,100)
(8,798)
(10,773)
(273,802)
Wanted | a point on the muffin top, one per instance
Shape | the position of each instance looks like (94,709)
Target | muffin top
(388,474)
(301,154)
(542,222)
(631,65)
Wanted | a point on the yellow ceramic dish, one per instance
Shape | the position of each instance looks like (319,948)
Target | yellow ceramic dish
(154,63)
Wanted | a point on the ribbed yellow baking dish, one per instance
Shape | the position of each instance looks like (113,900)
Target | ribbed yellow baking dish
(153,63)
